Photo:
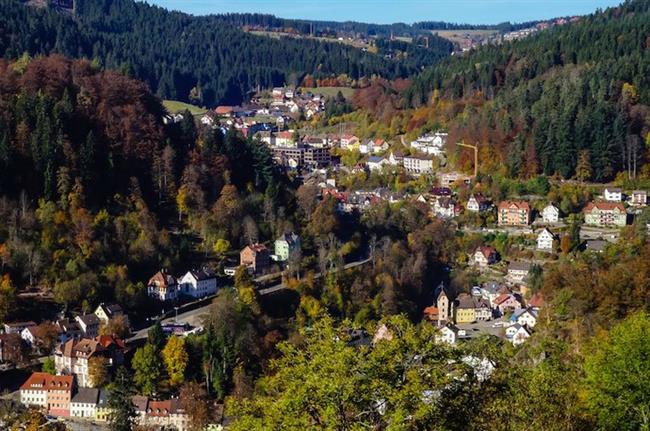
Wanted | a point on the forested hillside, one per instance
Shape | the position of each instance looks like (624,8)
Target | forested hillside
(199,59)
(573,93)
(367,29)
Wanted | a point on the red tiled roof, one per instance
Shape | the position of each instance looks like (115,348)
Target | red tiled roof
(604,206)
(536,301)
(48,382)
(486,250)
(522,205)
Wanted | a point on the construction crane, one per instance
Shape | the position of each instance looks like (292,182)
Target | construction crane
(475,148)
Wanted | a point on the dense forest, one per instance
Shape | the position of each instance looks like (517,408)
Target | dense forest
(570,99)
(199,59)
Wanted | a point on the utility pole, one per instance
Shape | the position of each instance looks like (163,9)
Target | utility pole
(475,148)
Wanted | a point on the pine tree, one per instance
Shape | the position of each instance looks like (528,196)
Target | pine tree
(123,414)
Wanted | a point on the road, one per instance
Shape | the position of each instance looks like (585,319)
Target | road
(195,317)
(279,287)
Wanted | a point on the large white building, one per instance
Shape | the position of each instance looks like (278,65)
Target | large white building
(432,144)
(198,283)
(84,403)
(418,165)
(551,214)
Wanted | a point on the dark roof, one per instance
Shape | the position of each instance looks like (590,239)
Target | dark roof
(203,274)
(89,319)
(140,403)
(102,402)
(86,396)
(519,266)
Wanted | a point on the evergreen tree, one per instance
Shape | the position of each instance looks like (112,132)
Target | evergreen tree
(122,415)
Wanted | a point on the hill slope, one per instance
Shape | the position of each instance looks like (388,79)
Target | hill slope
(175,53)
(578,92)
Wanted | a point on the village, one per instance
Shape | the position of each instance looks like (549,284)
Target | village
(499,303)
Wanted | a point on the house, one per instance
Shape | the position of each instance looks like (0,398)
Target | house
(72,357)
(257,257)
(445,208)
(107,312)
(613,194)
(518,334)
(596,245)
(507,302)
(68,329)
(12,349)
(485,255)
(477,203)
(550,214)
(441,192)
(286,246)
(102,411)
(605,214)
(162,286)
(545,240)
(396,158)
(491,291)
(378,146)
(518,271)
(639,198)
(470,309)
(418,165)
(349,142)
(524,317)
(166,414)
(89,324)
(450,334)
(376,163)
(17,327)
(52,393)
(198,283)
(30,335)
(84,403)
(514,213)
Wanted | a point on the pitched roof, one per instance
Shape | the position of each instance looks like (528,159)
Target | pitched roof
(520,205)
(486,250)
(162,279)
(519,266)
(47,381)
(86,396)
(140,403)
(202,274)
(89,319)
(604,206)
(537,300)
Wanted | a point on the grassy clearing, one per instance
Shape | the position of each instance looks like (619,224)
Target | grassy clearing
(331,91)
(174,106)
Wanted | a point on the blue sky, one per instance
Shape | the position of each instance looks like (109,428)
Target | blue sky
(389,11)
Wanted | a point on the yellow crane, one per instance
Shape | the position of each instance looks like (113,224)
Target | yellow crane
(475,148)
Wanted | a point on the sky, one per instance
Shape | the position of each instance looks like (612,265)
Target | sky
(390,11)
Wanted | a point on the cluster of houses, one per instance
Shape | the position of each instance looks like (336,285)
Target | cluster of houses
(483,304)
(19,338)
(257,258)
(197,283)
(60,395)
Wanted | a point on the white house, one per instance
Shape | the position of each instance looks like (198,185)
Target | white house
(518,271)
(29,335)
(551,214)
(89,324)
(286,246)
(545,240)
(395,158)
(84,403)
(477,203)
(444,208)
(613,194)
(376,163)
(526,317)
(450,334)
(198,283)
